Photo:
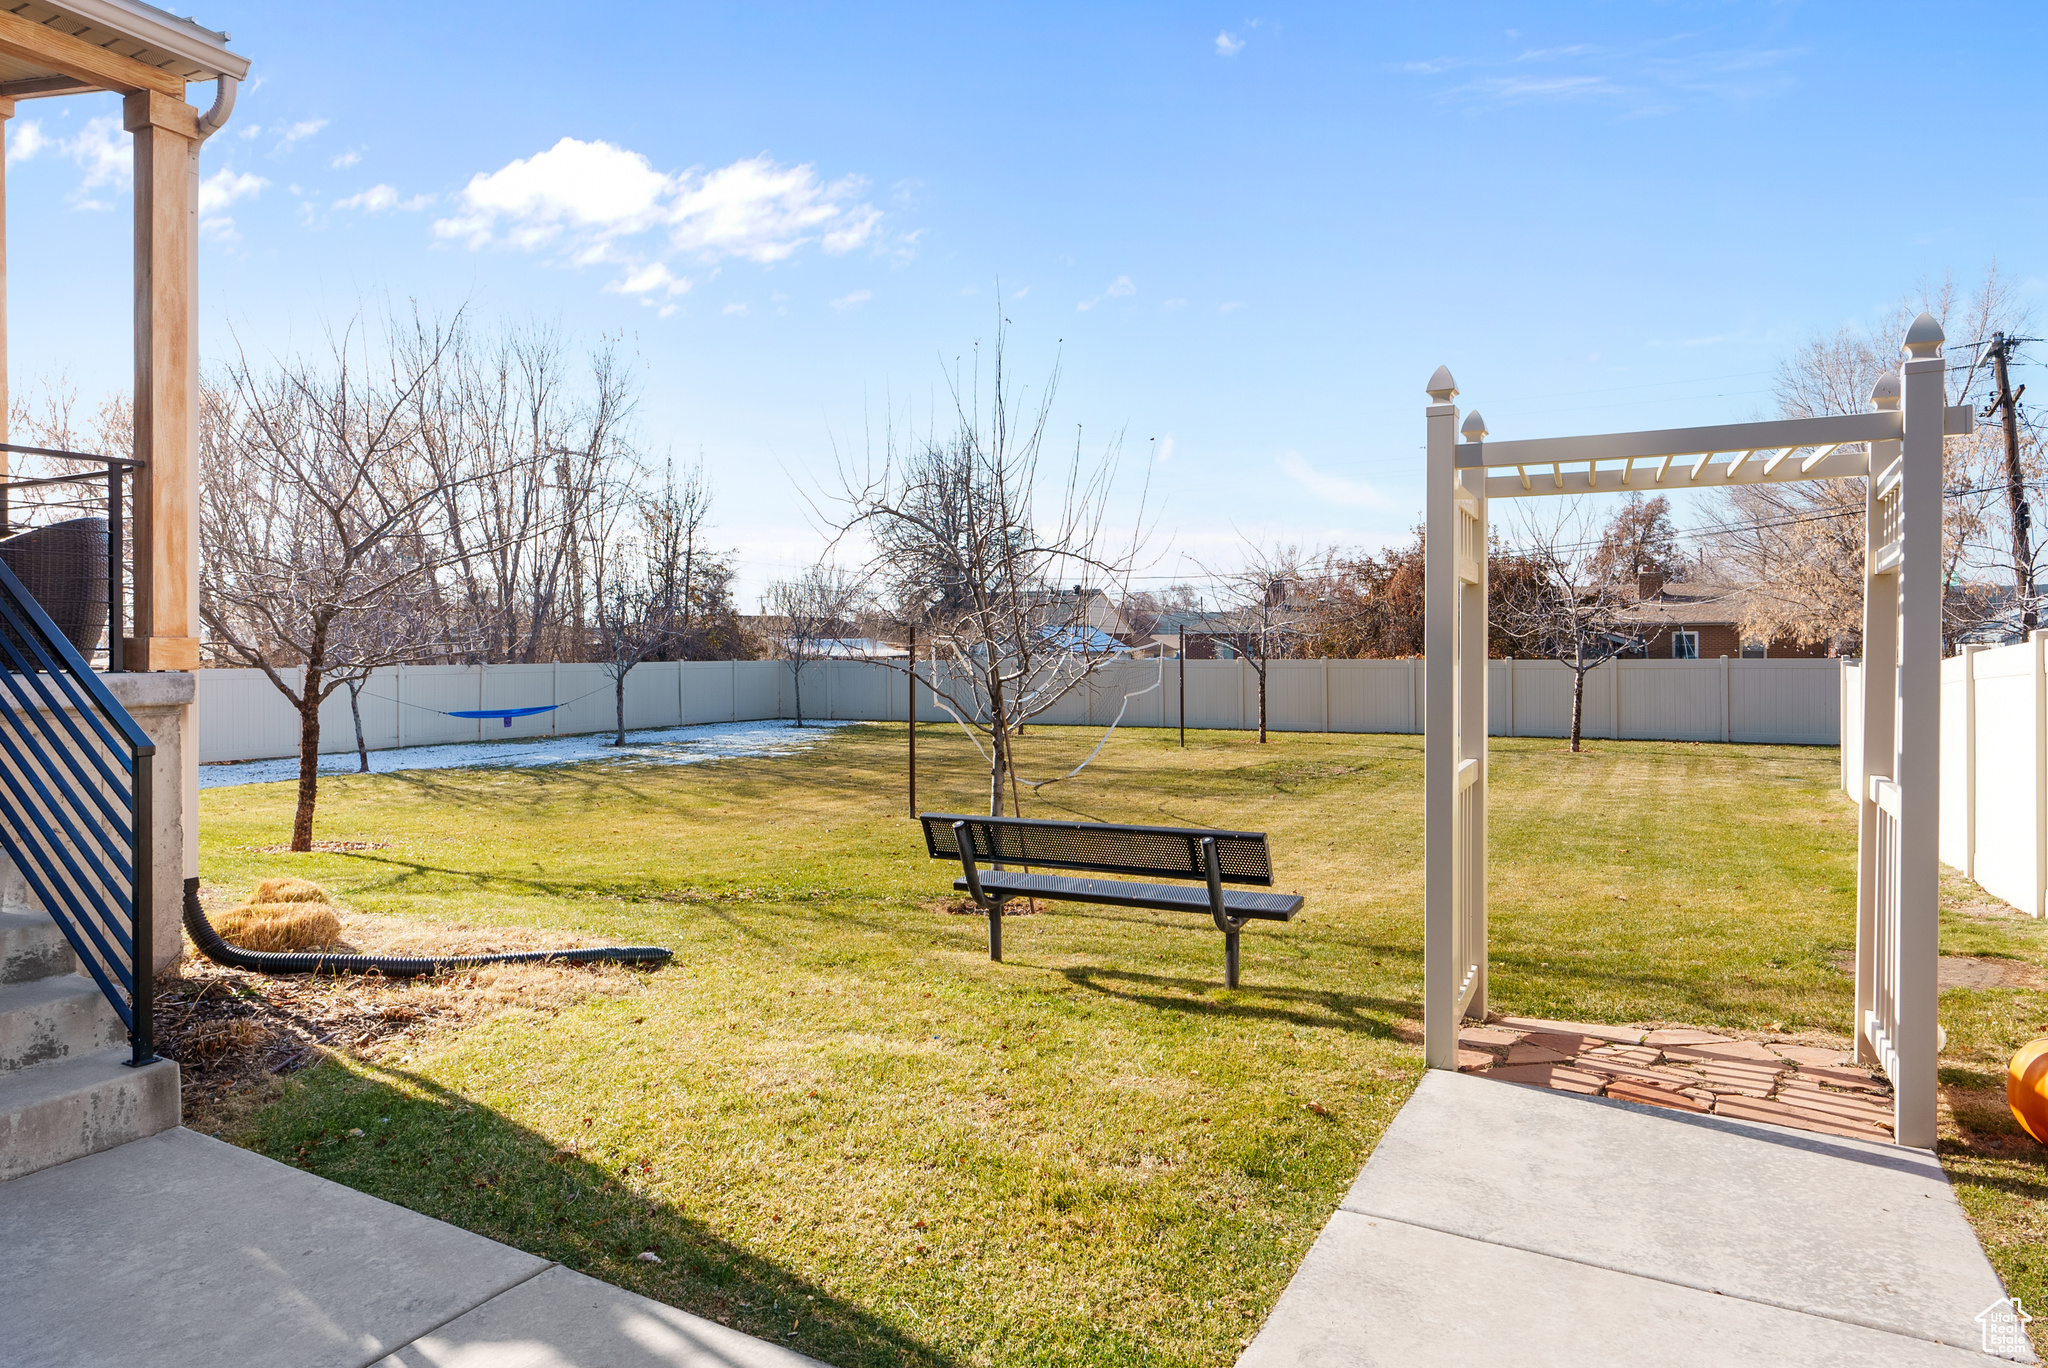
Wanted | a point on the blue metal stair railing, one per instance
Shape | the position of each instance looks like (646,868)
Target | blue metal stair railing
(75,806)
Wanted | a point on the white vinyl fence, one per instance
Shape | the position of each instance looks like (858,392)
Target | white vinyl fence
(1994,767)
(243,717)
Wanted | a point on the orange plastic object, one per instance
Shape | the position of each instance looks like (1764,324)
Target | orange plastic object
(2026,1087)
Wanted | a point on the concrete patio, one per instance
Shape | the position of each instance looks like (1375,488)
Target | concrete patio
(181,1250)
(1502,1223)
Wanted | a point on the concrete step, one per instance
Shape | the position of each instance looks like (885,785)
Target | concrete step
(54,1018)
(73,1107)
(31,947)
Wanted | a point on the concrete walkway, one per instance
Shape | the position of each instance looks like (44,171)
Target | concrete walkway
(1499,1223)
(181,1250)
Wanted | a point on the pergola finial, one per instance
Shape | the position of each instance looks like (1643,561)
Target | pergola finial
(1441,387)
(1474,427)
(1924,338)
(1885,393)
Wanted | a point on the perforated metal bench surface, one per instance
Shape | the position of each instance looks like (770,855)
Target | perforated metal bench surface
(1240,857)
(1162,897)
(1101,847)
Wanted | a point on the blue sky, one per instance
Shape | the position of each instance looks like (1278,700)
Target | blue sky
(1248,235)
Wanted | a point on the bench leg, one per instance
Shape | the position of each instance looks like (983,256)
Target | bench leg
(995,932)
(1230,959)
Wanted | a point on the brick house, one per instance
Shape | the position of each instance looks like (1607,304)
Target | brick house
(1699,620)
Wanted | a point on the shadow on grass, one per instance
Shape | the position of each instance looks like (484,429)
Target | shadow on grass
(427,1148)
(1373,1016)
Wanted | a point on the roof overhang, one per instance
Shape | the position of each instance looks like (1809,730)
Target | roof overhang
(124,46)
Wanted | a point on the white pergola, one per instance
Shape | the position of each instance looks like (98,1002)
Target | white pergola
(1898,447)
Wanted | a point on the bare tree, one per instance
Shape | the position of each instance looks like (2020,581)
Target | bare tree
(1797,548)
(1566,609)
(656,587)
(317,506)
(1640,536)
(1262,614)
(519,578)
(966,544)
(814,612)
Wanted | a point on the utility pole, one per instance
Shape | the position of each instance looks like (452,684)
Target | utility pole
(2015,481)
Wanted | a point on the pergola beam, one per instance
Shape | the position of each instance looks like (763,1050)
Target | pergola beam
(1832,463)
(1839,429)
(96,67)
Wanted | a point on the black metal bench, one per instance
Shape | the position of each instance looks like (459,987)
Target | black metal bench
(1214,857)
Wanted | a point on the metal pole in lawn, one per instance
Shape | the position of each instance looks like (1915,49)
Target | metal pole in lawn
(1183,686)
(913,721)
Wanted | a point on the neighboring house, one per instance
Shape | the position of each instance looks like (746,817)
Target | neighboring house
(1083,607)
(1084,640)
(1698,620)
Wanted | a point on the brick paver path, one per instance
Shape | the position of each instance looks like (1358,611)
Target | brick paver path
(1801,1086)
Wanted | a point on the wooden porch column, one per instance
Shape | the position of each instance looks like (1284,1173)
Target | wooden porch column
(6,394)
(166,382)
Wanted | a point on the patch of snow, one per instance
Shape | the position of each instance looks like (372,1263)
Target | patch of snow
(665,746)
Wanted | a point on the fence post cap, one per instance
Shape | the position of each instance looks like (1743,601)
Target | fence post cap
(1441,387)
(1474,428)
(1925,337)
(1885,393)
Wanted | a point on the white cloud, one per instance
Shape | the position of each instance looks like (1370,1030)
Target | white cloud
(102,149)
(1331,488)
(1019,294)
(346,160)
(735,309)
(649,280)
(1651,77)
(252,131)
(1230,306)
(379,198)
(305,128)
(1173,304)
(849,301)
(219,228)
(1120,288)
(592,203)
(1228,44)
(26,140)
(1164,451)
(224,187)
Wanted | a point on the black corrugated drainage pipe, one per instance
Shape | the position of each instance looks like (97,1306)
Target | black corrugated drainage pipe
(219,951)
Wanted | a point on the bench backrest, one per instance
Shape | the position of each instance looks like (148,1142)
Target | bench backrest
(1156,852)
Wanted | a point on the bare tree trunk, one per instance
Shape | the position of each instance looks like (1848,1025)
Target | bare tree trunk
(1578,704)
(309,761)
(1262,702)
(619,699)
(355,708)
(998,768)
(796,674)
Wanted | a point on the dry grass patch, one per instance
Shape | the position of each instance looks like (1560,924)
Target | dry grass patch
(237,1035)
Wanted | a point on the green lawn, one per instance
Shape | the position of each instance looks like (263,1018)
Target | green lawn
(842,1128)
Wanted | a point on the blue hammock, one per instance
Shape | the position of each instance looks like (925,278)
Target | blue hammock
(508,713)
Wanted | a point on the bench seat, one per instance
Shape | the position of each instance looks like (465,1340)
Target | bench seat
(1164,897)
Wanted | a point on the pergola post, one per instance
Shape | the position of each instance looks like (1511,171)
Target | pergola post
(1439,715)
(1919,734)
(1470,520)
(166,381)
(1879,680)
(1454,737)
